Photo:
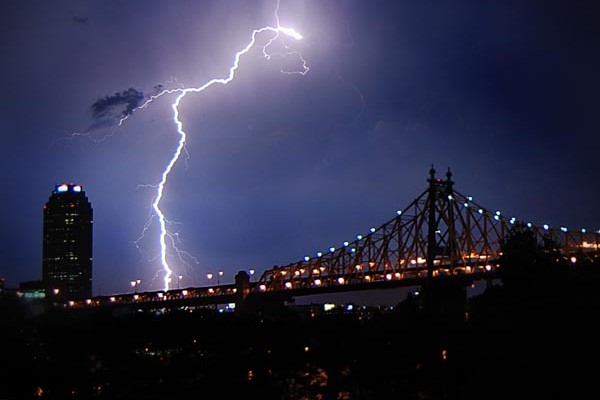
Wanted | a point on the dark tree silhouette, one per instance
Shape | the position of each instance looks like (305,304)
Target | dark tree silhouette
(529,267)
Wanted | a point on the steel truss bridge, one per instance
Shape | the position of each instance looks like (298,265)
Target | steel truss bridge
(441,234)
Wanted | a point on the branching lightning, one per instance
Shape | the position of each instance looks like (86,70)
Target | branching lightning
(165,234)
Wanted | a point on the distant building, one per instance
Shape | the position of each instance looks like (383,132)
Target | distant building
(31,290)
(67,246)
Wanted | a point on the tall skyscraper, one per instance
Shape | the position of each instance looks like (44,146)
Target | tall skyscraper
(67,248)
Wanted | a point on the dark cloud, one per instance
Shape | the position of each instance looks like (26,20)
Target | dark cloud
(118,105)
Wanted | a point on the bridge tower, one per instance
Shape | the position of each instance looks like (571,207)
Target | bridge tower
(441,230)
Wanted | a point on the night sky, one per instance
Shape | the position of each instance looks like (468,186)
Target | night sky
(281,166)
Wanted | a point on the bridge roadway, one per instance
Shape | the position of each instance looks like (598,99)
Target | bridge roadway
(281,290)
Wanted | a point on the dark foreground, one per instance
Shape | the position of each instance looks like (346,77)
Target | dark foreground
(533,342)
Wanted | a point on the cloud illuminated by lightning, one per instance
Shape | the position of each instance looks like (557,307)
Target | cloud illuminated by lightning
(277,33)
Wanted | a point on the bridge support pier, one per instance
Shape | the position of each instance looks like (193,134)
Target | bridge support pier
(444,300)
(242,289)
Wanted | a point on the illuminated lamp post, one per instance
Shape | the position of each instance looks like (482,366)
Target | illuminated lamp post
(135,283)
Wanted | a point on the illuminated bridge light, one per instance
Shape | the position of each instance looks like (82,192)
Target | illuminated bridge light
(262,288)
(316,271)
(367,278)
(573,260)
(497,218)
(488,267)
(88,301)
(371,264)
(470,198)
(399,212)
(341,280)
(319,254)
(358,267)
(317,282)
(297,273)
(359,237)
(161,295)
(346,243)
(388,277)
(497,212)
(563,228)
(136,296)
(306,258)
(112,299)
(546,227)
(397,275)
(480,211)
(354,250)
(450,197)
(372,230)
(71,303)
(529,225)
(211,290)
(466,205)
(583,230)
(288,285)
(184,292)
(332,249)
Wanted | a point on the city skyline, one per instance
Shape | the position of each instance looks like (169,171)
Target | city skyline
(282,166)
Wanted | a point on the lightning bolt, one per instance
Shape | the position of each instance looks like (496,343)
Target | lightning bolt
(278,32)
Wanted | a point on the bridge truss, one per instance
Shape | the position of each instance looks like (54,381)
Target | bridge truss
(440,233)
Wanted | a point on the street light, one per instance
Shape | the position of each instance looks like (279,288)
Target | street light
(220,274)
(135,283)
(209,276)
(251,273)
(180,277)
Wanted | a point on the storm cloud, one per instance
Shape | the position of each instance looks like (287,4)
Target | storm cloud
(118,105)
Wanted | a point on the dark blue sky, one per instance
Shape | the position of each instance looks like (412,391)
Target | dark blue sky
(281,166)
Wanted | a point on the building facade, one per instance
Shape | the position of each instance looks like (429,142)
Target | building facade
(67,244)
